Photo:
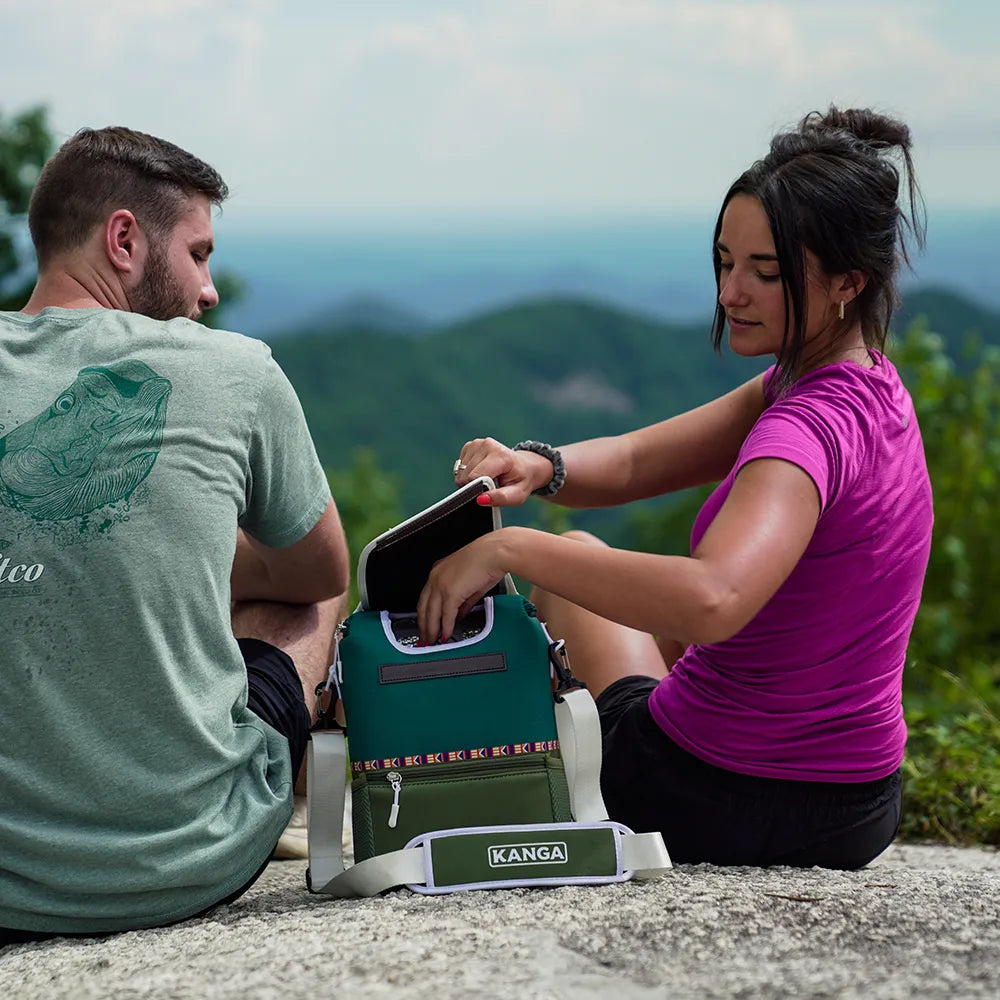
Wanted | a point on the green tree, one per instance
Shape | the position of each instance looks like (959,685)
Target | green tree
(232,289)
(368,502)
(666,528)
(25,145)
(958,407)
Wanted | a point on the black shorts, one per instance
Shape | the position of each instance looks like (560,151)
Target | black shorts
(709,814)
(275,695)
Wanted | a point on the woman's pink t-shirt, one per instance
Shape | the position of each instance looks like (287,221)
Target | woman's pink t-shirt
(810,689)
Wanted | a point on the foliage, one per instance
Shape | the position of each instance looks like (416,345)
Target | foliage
(951,776)
(554,519)
(25,145)
(951,316)
(952,678)
(368,502)
(958,407)
(666,528)
(232,289)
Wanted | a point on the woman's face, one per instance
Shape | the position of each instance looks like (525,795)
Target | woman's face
(750,290)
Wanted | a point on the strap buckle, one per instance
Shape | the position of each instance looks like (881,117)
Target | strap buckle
(326,719)
(327,692)
(559,659)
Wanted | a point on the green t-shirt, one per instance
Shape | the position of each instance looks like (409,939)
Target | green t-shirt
(136,787)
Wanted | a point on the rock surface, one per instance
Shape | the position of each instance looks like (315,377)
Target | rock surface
(920,921)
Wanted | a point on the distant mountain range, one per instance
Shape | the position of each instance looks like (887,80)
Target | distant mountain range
(442,271)
(553,370)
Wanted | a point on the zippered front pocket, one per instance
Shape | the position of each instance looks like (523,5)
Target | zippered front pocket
(390,807)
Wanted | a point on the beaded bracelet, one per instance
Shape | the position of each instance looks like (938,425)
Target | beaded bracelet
(555,484)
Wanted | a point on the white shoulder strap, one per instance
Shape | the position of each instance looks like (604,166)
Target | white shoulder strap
(369,878)
(579,731)
(645,854)
(642,855)
(326,780)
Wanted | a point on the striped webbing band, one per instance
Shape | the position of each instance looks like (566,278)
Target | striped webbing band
(452,756)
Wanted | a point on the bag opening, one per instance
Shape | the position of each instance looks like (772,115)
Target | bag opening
(401,628)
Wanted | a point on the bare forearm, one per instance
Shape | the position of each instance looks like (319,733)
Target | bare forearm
(598,473)
(252,579)
(748,551)
(672,596)
(691,449)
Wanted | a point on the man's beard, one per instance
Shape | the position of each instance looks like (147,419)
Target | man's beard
(159,295)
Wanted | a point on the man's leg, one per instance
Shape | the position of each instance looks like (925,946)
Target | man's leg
(304,631)
(600,651)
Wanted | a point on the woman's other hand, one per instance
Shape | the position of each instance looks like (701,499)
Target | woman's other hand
(517,473)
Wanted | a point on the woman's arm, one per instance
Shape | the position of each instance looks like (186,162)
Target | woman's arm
(748,551)
(693,448)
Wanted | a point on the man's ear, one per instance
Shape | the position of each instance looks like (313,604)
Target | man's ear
(123,240)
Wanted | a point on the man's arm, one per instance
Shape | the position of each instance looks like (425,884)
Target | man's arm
(312,569)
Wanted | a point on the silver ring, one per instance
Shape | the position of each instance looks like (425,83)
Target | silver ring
(458,467)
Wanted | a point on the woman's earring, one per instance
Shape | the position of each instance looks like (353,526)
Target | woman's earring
(840,311)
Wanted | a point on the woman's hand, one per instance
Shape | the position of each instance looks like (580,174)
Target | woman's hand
(456,583)
(517,473)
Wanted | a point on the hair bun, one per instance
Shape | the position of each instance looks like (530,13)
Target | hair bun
(878,131)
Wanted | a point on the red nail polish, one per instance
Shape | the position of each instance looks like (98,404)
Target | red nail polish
(483,500)
(420,642)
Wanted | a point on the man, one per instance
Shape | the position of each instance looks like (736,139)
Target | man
(151,473)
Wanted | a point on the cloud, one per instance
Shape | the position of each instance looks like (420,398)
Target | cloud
(561,104)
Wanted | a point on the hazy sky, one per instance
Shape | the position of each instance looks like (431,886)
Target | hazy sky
(382,108)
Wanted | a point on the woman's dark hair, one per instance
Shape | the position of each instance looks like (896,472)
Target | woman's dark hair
(830,186)
(98,171)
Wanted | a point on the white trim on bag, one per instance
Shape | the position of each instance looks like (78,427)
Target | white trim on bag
(425,514)
(386,620)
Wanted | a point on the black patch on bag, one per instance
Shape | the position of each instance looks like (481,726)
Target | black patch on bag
(426,670)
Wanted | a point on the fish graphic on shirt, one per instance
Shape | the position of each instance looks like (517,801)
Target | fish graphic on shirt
(93,446)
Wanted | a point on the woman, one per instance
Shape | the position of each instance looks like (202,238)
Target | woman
(764,726)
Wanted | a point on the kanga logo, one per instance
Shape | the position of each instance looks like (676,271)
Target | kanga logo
(504,855)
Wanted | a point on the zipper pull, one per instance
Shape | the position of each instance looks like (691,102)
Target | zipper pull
(395,779)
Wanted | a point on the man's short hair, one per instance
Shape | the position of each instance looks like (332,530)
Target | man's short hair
(99,171)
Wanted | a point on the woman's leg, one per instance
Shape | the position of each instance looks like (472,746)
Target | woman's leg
(600,651)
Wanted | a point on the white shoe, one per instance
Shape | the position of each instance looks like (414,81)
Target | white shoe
(293,844)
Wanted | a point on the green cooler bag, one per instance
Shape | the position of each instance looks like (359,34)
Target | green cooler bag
(463,731)
(474,762)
